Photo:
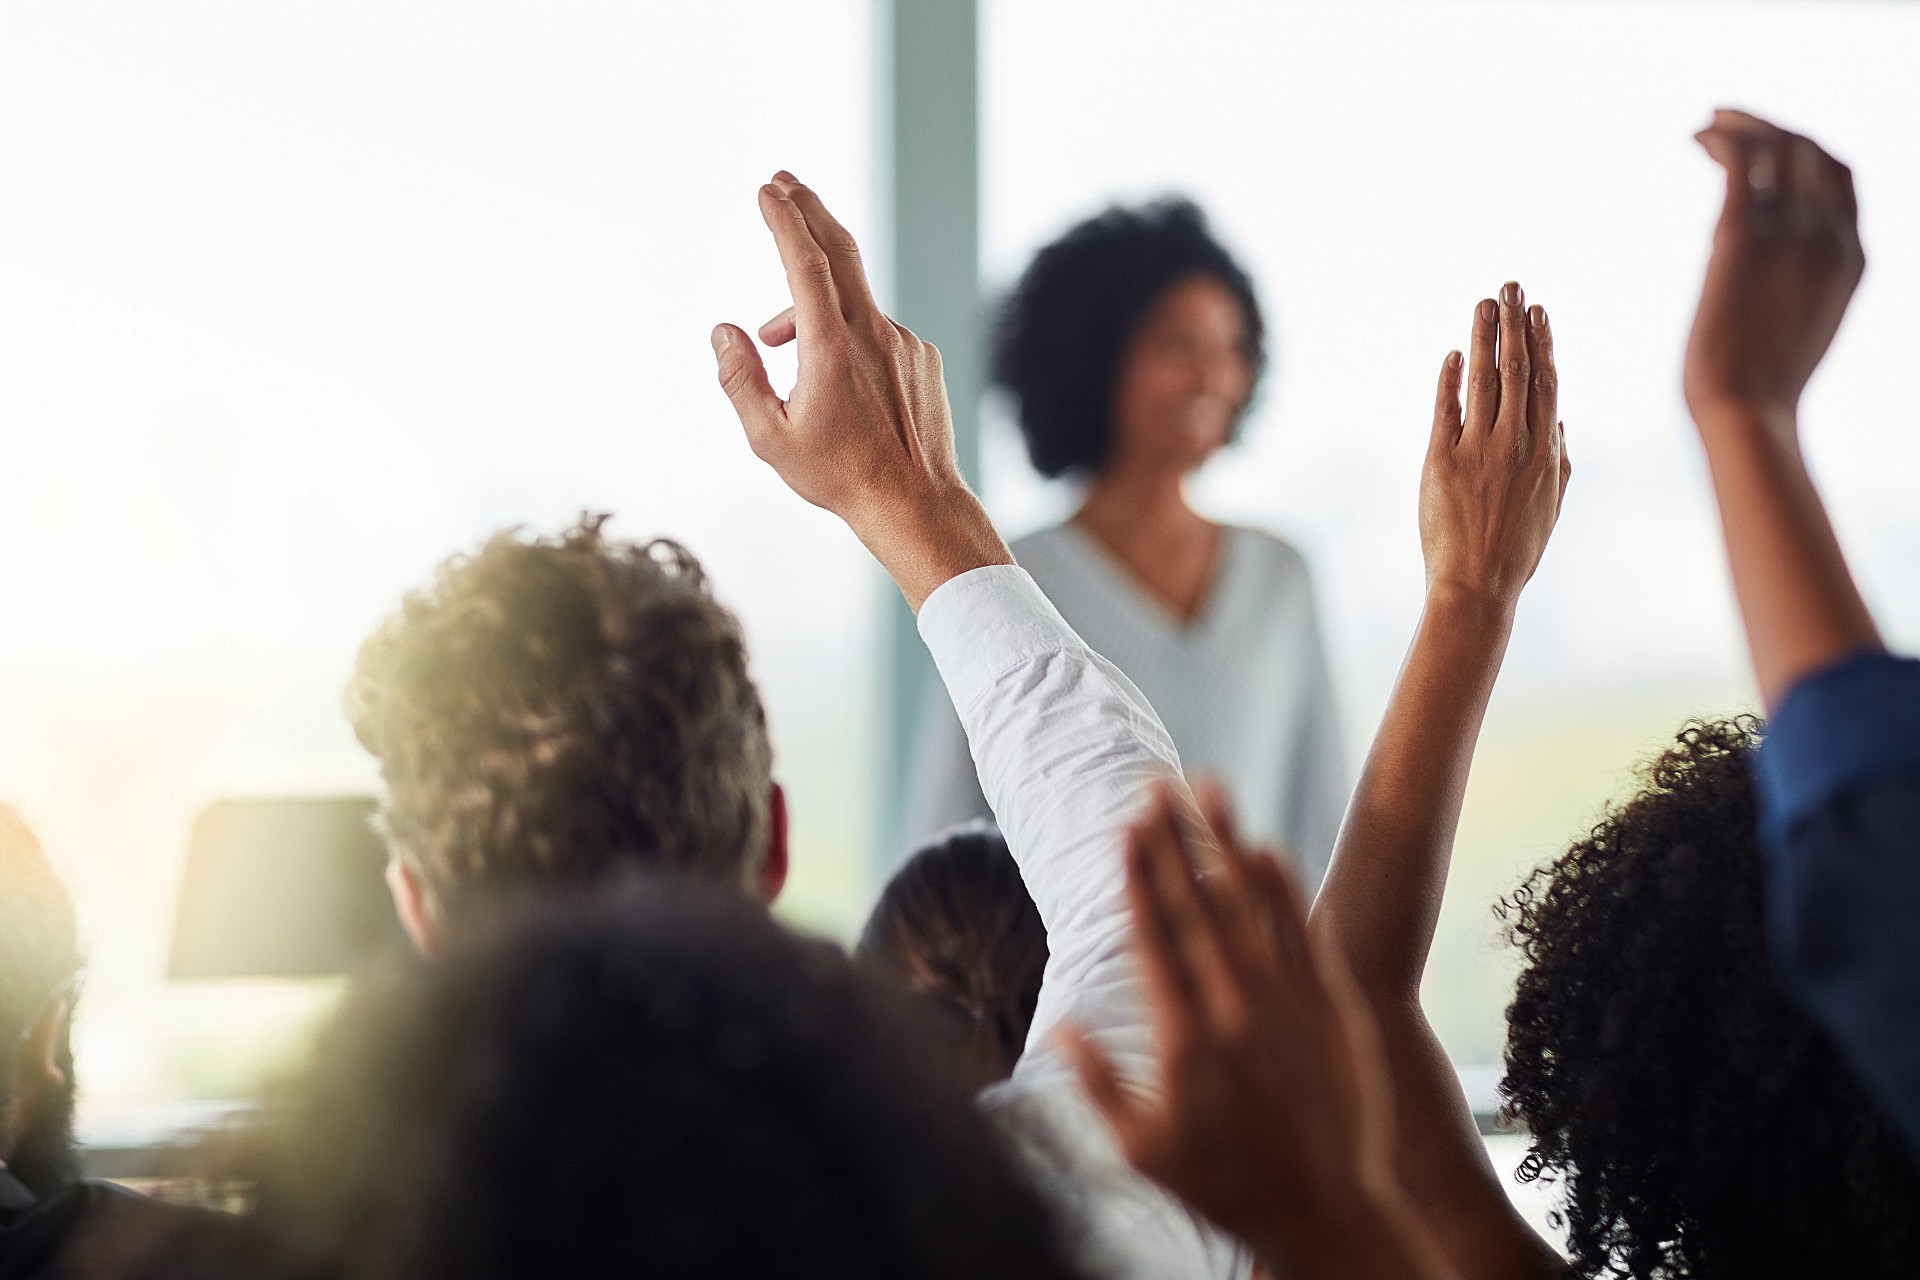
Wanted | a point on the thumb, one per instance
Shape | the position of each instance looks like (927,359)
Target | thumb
(1730,154)
(743,376)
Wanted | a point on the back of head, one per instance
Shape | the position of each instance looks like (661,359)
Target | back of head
(549,708)
(39,958)
(654,1080)
(1702,1125)
(956,924)
(1061,333)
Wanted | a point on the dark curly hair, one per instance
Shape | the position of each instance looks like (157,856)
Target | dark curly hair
(651,1079)
(551,707)
(1061,333)
(1701,1124)
(957,925)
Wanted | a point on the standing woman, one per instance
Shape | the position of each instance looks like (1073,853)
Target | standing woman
(1133,345)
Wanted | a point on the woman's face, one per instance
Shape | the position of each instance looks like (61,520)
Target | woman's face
(1183,380)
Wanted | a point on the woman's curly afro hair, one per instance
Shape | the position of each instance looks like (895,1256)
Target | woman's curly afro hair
(1060,334)
(1701,1124)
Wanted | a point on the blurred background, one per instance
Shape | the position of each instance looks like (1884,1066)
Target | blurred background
(297,300)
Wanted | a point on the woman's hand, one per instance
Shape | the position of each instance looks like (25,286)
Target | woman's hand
(1786,260)
(1495,474)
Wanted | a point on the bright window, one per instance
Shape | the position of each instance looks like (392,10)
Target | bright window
(296,302)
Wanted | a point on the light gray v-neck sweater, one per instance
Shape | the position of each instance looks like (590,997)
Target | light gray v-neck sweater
(1243,688)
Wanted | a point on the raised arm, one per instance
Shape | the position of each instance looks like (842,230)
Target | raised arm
(1786,259)
(1839,772)
(1066,746)
(1489,496)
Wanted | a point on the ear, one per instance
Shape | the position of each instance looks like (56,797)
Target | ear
(773,874)
(410,903)
(44,1066)
(46,1059)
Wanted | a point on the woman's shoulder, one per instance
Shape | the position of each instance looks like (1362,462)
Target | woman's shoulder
(1056,548)
(1272,554)
(1044,539)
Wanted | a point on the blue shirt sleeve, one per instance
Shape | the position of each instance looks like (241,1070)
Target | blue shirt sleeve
(1852,725)
(1839,779)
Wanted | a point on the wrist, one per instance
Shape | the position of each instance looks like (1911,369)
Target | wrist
(1733,416)
(1465,599)
(930,535)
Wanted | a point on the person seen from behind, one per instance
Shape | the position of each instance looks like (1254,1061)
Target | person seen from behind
(957,926)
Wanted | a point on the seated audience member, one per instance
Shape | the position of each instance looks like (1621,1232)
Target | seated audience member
(550,709)
(651,1079)
(955,924)
(1840,771)
(1066,745)
(53,1222)
(1700,1125)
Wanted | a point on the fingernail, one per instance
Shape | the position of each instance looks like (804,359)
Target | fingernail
(1488,311)
(775,192)
(1453,360)
(1511,295)
(784,176)
(1539,317)
(722,338)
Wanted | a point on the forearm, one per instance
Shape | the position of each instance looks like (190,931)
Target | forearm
(1382,895)
(1801,608)
(1370,1234)
(1379,909)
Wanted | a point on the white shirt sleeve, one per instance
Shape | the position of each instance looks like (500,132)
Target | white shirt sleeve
(1066,748)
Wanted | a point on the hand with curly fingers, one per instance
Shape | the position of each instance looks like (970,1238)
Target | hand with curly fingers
(1496,472)
(866,432)
(1786,260)
(1272,1111)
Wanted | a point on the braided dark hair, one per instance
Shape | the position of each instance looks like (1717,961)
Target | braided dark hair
(957,925)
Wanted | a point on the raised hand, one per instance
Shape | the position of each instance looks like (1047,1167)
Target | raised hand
(1490,493)
(1272,1113)
(866,432)
(1786,260)
(1496,473)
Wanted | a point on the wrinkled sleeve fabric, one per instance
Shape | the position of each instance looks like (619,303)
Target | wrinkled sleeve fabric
(1066,748)
(1839,777)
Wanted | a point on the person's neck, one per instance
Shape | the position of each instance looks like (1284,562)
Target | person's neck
(1144,522)
(1129,508)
